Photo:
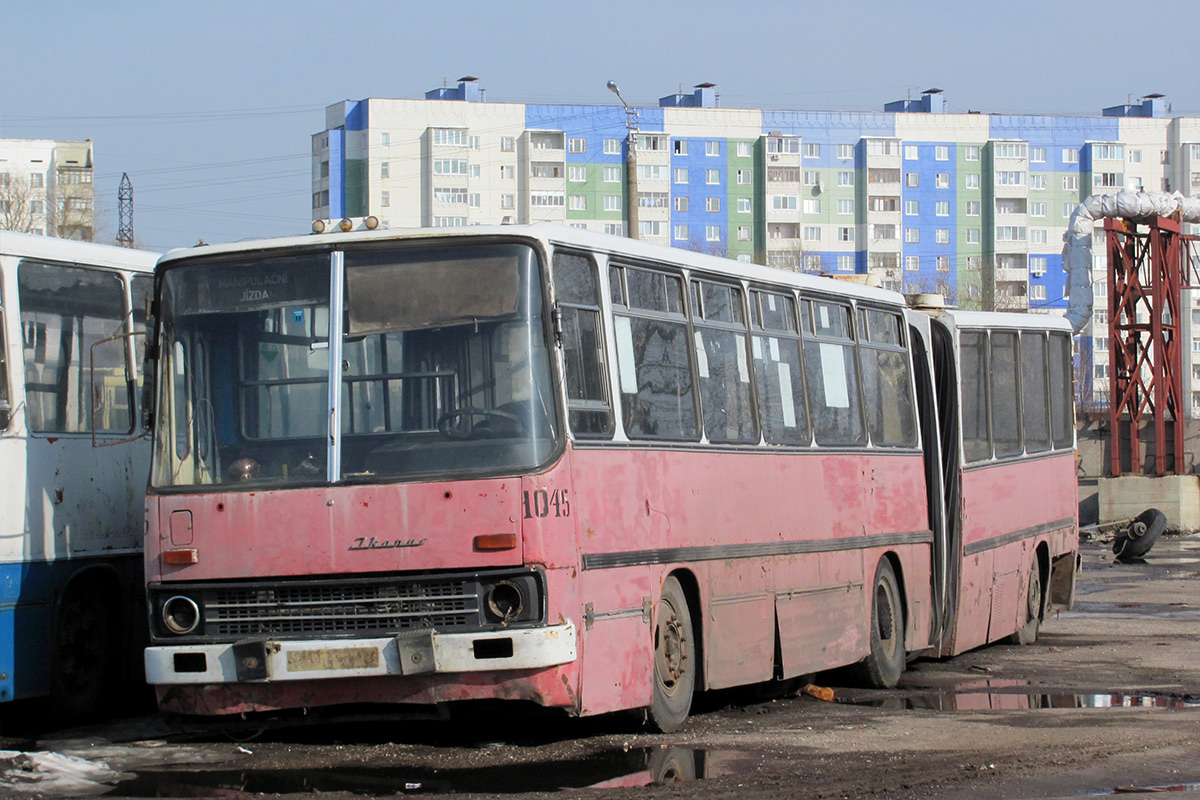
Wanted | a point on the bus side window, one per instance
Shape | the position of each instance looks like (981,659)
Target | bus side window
(1061,411)
(778,370)
(64,310)
(578,297)
(141,288)
(887,384)
(1034,392)
(1005,401)
(722,363)
(657,394)
(973,368)
(831,373)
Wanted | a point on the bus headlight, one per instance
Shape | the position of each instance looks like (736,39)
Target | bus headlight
(181,615)
(505,601)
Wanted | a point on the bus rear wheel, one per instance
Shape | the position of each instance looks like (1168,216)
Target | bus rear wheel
(1028,632)
(674,660)
(884,664)
(85,654)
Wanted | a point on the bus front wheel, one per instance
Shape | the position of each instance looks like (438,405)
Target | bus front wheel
(884,664)
(674,660)
(84,658)
(1028,632)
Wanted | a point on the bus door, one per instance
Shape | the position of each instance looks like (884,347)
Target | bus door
(937,404)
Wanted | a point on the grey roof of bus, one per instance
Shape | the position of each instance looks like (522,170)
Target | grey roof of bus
(34,246)
(563,235)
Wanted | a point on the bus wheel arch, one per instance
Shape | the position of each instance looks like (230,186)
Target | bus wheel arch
(887,653)
(1033,603)
(88,636)
(677,651)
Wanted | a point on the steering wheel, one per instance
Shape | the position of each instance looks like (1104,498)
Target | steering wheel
(477,432)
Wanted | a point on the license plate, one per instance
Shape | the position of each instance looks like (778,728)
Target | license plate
(333,660)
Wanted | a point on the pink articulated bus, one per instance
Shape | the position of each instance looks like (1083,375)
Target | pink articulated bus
(546,465)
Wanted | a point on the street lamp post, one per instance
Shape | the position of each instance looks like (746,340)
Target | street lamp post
(631,192)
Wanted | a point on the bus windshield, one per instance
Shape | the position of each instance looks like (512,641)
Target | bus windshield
(443,361)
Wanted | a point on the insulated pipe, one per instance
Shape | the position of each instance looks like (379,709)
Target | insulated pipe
(1077,241)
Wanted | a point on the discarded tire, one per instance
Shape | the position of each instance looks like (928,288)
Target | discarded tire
(1141,535)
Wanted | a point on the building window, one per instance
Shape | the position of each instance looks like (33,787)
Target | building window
(546,199)
(680,233)
(385,139)
(712,177)
(745,149)
(845,206)
(651,172)
(912,180)
(473,200)
(451,166)
(812,177)
(612,174)
(454,137)
(743,205)
(1037,209)
(1037,236)
(712,233)
(777,144)
(1037,155)
(712,204)
(473,142)
(971,153)
(812,206)
(845,263)
(385,199)
(577,174)
(743,233)
(576,145)
(912,263)
(941,152)
(447,195)
(507,144)
(680,146)
(681,204)
(508,172)
(508,201)
(845,178)
(911,153)
(973,263)
(577,202)
(745,176)
(1037,291)
(812,234)
(942,236)
(784,202)
(612,202)
(942,208)
(612,147)
(1037,181)
(1070,183)
(384,169)
(712,148)
(1010,178)
(943,180)
(845,234)
(912,208)
(614,228)
(1108,180)
(1010,233)
(475,170)
(1070,155)
(973,236)
(650,228)
(971,180)
(943,263)
(812,150)
(912,235)
(1068,208)
(845,151)
(681,175)
(1037,266)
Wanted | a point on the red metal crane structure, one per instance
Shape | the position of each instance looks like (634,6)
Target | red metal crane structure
(1150,262)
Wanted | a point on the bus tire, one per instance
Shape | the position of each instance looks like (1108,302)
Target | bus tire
(1134,542)
(1028,632)
(674,660)
(84,660)
(882,667)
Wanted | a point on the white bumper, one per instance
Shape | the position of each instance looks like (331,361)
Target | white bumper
(415,653)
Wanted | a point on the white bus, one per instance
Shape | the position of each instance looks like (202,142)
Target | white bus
(73,468)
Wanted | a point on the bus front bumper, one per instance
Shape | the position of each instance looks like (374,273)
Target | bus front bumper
(415,653)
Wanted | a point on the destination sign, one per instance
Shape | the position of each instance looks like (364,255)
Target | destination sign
(250,286)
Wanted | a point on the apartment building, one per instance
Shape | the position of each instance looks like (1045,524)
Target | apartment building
(46,188)
(969,205)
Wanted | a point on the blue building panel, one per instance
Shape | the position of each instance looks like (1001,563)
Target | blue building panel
(927,194)
(698,191)
(1056,134)
(337,174)
(357,118)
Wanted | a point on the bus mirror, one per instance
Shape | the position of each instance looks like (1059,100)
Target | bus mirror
(111,373)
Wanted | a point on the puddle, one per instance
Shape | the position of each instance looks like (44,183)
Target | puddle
(989,699)
(59,775)
(1174,787)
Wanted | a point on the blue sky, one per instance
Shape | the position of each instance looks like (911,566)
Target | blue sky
(209,106)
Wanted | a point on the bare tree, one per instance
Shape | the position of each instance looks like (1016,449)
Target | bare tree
(19,209)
